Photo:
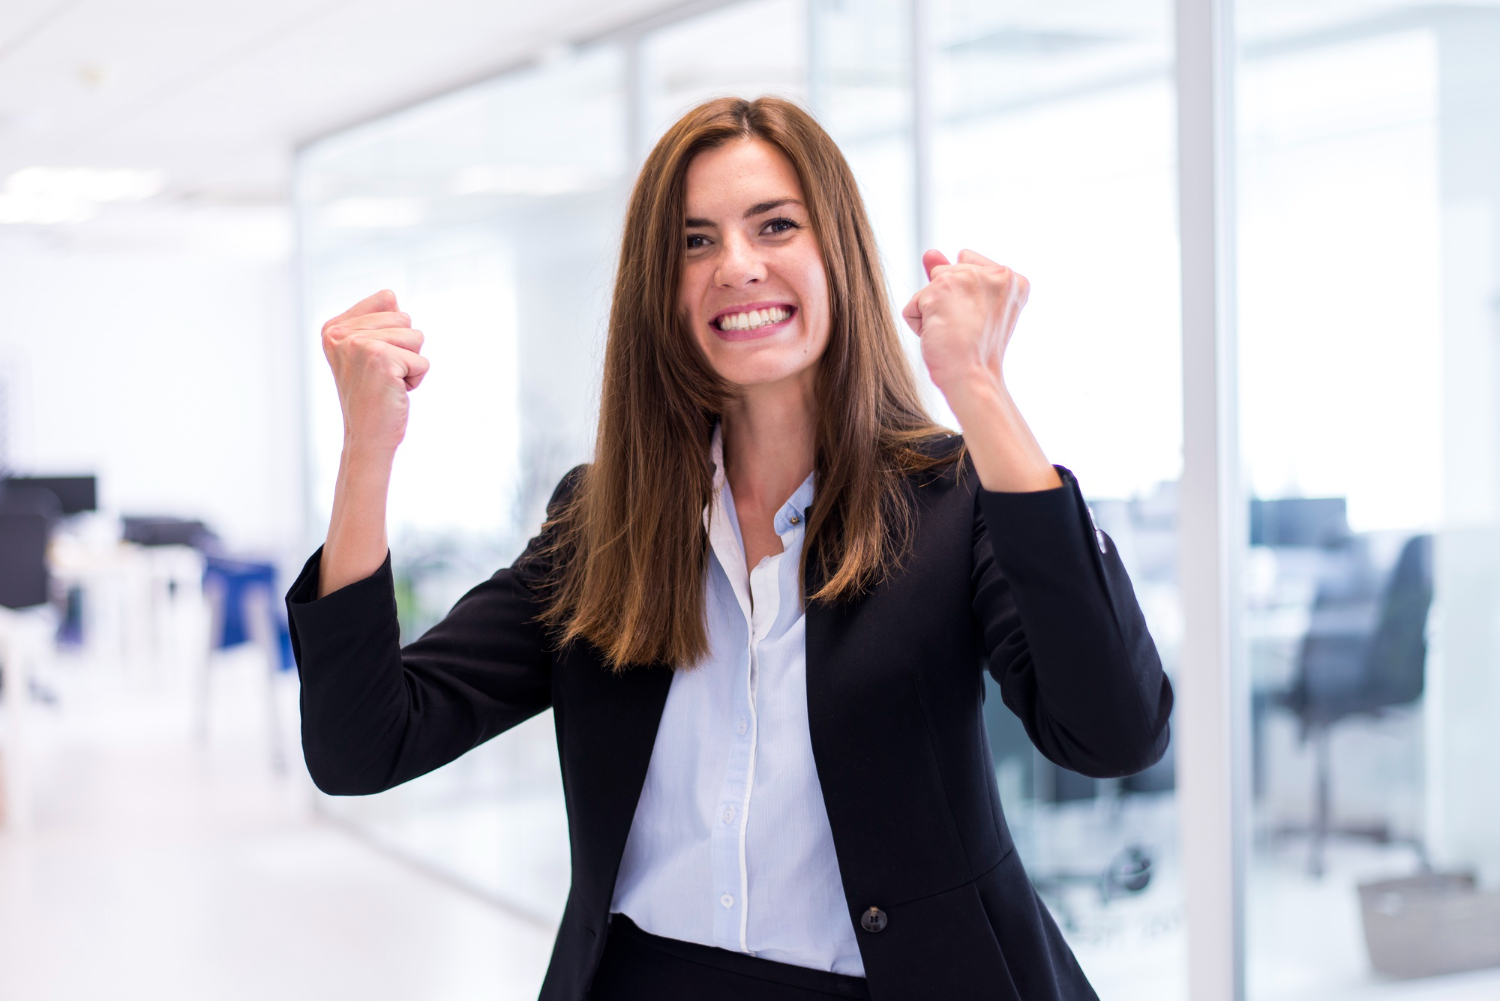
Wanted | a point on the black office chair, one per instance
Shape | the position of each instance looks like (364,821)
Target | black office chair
(1364,654)
(27,514)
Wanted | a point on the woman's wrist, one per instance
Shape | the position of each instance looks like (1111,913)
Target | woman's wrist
(1006,454)
(367,452)
(974,390)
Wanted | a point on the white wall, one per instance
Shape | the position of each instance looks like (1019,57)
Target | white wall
(156,349)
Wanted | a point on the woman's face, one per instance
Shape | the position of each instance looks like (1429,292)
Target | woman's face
(753,286)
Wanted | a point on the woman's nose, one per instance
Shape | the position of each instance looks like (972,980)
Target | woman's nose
(739,264)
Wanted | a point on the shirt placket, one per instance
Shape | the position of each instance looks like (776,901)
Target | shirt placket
(727,839)
(758,595)
(765,604)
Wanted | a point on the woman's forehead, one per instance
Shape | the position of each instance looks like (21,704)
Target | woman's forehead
(731,179)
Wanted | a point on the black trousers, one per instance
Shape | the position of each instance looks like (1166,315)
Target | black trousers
(639,966)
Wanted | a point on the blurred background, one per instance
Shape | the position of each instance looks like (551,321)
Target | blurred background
(187,190)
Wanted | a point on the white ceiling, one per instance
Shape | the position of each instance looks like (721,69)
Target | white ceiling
(217,93)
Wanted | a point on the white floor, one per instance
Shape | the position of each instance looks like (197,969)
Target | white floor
(158,867)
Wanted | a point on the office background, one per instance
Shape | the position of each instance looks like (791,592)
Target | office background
(190,192)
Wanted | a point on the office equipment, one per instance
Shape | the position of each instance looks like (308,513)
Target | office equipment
(1298,521)
(74,493)
(26,516)
(23,559)
(1362,654)
(168,531)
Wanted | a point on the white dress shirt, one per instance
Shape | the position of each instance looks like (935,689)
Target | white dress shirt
(730,845)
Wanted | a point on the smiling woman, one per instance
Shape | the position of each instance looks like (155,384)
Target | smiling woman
(760,614)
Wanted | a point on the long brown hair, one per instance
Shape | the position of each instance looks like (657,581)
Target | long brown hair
(630,544)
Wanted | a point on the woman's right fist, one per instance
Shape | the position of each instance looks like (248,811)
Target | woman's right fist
(376,360)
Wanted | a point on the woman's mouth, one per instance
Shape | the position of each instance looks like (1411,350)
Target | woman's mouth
(754,320)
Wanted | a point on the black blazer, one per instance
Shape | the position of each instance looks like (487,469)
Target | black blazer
(1019,584)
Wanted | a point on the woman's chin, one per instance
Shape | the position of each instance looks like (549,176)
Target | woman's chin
(750,377)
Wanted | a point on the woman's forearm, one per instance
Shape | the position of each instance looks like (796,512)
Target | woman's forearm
(356,545)
(1006,454)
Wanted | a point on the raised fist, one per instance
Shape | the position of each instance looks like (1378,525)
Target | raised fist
(376,360)
(965,316)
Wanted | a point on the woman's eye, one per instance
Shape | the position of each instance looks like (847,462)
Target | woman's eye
(780,225)
(696,240)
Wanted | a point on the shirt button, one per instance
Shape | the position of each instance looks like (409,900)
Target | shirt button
(795,519)
(742,725)
(873,920)
(728,814)
(727,900)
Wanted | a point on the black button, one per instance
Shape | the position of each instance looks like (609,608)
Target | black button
(873,920)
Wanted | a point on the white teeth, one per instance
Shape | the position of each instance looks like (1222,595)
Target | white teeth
(750,319)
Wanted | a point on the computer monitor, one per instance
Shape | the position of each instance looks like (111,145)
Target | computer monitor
(76,493)
(1298,521)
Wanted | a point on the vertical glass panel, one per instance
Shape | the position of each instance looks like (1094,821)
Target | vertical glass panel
(492,213)
(1369,180)
(1055,154)
(859,86)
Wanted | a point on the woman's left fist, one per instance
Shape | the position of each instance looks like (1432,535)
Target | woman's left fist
(965,316)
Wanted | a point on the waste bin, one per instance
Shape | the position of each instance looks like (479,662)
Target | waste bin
(1430,924)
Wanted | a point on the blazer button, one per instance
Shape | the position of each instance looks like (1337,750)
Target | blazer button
(873,920)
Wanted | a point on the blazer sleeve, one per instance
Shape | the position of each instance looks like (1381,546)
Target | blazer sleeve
(374,714)
(1064,635)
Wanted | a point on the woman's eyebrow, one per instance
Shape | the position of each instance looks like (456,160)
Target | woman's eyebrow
(760,207)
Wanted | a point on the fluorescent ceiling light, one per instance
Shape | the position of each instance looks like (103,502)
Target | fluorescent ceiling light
(45,196)
(525,179)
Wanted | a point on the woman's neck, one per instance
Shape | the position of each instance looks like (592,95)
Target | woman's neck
(769,448)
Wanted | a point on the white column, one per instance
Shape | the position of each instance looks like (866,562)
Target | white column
(921,130)
(1210,722)
(636,110)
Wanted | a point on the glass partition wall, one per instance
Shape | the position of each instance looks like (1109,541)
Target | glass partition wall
(493,214)
(1053,151)
(1046,137)
(1369,178)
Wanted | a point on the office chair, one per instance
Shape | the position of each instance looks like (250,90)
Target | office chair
(27,514)
(1353,662)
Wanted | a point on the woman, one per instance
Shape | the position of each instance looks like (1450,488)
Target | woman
(761,614)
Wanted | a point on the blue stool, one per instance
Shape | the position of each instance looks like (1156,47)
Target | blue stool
(243,599)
